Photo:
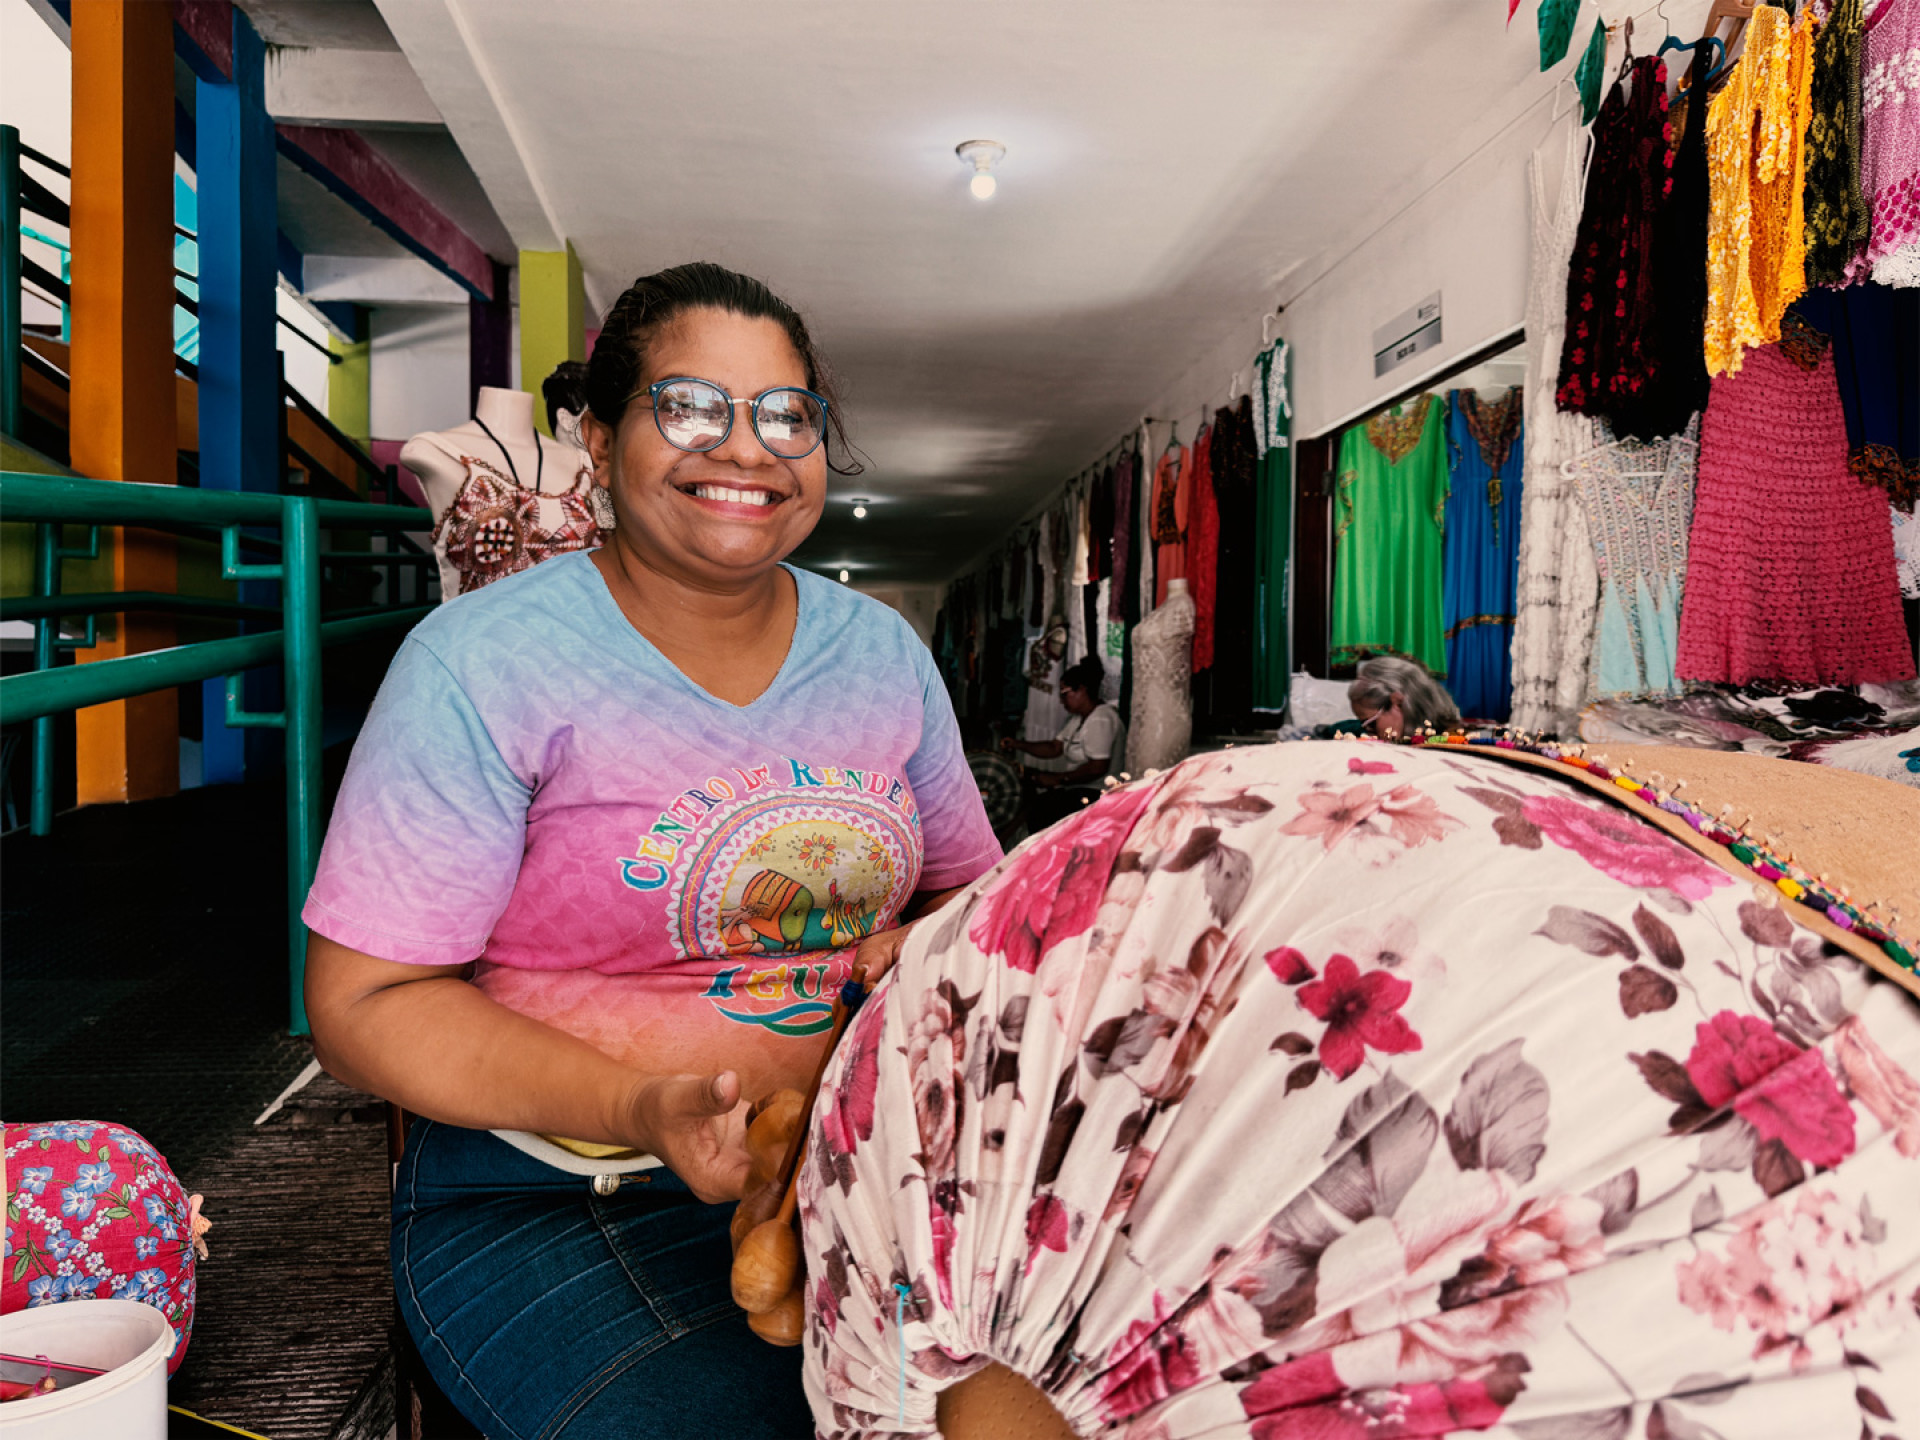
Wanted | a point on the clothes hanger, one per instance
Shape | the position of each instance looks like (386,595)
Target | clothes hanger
(1626,60)
(1739,12)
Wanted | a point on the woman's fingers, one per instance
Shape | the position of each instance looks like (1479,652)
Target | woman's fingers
(874,956)
(697,1125)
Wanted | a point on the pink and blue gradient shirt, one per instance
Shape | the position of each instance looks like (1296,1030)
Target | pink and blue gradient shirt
(674,878)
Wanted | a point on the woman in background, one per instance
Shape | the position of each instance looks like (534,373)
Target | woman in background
(1090,742)
(1392,696)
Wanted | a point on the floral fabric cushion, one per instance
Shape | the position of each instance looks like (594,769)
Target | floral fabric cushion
(1330,1090)
(93,1213)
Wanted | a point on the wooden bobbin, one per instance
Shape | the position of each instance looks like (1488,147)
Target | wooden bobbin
(766,1280)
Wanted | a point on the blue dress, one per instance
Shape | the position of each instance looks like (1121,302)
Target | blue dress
(1482,556)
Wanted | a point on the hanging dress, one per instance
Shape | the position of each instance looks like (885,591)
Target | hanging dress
(1837,211)
(1553,624)
(1778,191)
(1676,389)
(1875,333)
(1389,507)
(1792,573)
(1233,487)
(1482,551)
(1609,356)
(1639,503)
(1172,491)
(1273,433)
(1890,143)
(1203,548)
(498,527)
(1749,124)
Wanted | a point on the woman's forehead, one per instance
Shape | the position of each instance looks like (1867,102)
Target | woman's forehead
(744,353)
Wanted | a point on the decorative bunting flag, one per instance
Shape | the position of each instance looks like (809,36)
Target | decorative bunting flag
(1556,30)
(1588,74)
(1512,7)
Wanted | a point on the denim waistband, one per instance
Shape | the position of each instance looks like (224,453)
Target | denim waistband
(446,1163)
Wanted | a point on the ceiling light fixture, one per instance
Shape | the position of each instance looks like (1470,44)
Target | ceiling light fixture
(859,509)
(983,155)
(843,577)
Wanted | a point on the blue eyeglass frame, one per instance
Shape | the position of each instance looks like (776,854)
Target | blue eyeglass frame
(753,414)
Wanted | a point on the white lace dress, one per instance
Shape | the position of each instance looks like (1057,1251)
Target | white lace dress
(1559,587)
(1162,728)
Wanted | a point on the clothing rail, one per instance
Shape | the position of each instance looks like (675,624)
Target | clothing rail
(50,501)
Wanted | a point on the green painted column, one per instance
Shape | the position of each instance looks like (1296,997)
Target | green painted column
(553,317)
(350,383)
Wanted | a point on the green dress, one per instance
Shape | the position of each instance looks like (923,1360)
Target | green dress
(1388,511)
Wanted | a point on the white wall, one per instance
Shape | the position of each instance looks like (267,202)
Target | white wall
(418,369)
(1463,228)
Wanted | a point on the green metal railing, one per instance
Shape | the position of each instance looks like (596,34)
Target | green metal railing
(51,501)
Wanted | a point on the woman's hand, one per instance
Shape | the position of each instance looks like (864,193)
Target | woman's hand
(697,1126)
(874,956)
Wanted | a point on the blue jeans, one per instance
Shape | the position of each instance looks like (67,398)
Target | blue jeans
(543,1310)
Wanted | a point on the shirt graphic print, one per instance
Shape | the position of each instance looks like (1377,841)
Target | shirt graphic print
(765,868)
(675,879)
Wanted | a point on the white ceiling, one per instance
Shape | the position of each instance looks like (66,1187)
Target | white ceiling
(1167,165)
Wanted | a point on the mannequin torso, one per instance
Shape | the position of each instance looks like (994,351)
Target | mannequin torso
(503,495)
(1162,683)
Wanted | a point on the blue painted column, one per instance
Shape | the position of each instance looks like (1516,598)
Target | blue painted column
(239,364)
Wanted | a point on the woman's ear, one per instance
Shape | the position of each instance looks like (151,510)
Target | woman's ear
(599,439)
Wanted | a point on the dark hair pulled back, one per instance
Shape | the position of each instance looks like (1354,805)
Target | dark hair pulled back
(655,301)
(1086,674)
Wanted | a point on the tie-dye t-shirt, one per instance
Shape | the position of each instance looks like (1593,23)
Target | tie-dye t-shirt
(672,877)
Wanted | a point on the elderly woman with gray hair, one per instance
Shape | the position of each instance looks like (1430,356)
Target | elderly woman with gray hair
(1392,696)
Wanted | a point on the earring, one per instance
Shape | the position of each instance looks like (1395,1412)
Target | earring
(602,502)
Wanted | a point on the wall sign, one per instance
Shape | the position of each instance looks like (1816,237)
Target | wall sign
(1406,335)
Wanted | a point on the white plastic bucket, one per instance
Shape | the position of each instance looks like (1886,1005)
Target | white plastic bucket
(128,1340)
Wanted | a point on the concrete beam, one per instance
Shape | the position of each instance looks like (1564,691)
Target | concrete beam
(352,169)
(436,41)
(366,88)
(379,280)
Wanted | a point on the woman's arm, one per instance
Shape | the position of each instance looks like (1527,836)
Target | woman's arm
(1040,749)
(423,1037)
(1092,770)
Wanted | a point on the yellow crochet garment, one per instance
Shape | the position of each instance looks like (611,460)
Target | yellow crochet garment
(1756,164)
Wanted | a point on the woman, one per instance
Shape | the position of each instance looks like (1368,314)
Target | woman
(1089,742)
(1392,696)
(608,844)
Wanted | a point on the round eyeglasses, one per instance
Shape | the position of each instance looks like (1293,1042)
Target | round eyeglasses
(697,415)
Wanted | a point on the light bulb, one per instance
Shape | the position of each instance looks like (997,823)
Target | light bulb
(983,185)
(843,577)
(859,512)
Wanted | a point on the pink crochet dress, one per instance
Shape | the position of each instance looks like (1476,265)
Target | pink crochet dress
(1790,571)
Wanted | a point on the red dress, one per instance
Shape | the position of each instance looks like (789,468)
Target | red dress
(1203,548)
(1790,568)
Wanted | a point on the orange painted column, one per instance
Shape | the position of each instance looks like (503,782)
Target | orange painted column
(123,390)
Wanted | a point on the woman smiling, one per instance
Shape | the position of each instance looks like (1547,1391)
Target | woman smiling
(609,843)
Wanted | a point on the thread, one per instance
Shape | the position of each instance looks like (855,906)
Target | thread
(900,1294)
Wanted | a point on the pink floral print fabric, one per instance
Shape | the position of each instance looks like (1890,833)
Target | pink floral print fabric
(1328,1091)
(95,1213)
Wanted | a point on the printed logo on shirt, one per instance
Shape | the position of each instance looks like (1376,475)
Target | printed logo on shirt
(773,869)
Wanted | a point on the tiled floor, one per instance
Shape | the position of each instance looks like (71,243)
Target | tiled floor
(144,982)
